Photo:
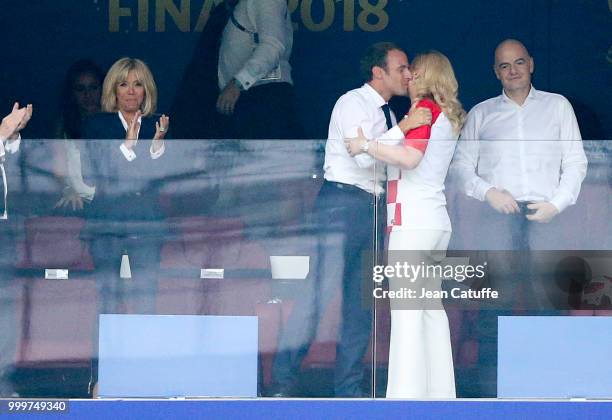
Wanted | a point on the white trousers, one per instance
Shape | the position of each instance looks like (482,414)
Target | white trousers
(420,356)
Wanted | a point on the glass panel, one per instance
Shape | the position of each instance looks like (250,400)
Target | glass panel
(495,265)
(215,228)
(247,229)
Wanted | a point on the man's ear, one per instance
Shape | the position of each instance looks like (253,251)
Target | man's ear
(531,65)
(495,70)
(377,72)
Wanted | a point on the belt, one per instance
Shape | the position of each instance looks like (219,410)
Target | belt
(523,207)
(348,188)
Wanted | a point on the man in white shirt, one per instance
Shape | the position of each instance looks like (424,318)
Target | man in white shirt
(10,140)
(346,207)
(254,71)
(533,153)
(521,153)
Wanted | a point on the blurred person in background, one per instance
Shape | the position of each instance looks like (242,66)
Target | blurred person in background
(254,74)
(80,98)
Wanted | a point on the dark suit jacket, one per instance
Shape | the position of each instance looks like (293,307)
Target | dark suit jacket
(124,190)
(108,126)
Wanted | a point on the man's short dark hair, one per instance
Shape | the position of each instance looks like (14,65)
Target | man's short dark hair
(376,55)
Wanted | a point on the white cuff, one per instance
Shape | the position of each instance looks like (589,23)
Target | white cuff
(160,151)
(129,154)
(561,201)
(12,146)
(480,189)
(246,80)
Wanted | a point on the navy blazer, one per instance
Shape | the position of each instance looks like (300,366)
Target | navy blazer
(108,126)
(124,190)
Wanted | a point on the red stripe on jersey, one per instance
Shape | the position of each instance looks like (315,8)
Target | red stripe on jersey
(398,215)
(415,137)
(392,191)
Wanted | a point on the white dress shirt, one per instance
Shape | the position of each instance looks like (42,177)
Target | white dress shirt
(534,150)
(74,175)
(11,146)
(420,191)
(252,63)
(130,155)
(358,108)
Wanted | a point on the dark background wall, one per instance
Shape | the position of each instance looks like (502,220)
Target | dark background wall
(571,41)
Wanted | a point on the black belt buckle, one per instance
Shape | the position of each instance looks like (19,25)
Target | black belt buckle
(524,209)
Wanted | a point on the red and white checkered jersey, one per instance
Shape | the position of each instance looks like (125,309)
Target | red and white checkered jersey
(415,197)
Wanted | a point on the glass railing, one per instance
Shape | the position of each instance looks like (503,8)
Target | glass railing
(219,269)
(447,295)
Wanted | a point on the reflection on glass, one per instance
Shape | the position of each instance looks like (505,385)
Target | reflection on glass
(228,213)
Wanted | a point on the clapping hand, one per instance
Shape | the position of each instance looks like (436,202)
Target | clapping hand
(161,127)
(25,119)
(131,135)
(70,199)
(14,122)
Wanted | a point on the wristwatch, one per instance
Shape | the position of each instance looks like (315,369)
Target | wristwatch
(365,146)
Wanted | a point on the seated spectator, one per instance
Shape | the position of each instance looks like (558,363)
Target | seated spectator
(80,98)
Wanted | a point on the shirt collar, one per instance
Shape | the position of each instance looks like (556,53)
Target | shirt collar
(533,94)
(124,122)
(375,96)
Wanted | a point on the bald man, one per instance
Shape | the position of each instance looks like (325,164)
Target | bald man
(522,171)
(521,153)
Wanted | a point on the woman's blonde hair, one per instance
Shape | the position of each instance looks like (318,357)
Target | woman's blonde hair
(436,79)
(118,74)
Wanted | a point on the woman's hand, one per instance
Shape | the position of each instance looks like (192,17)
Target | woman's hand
(70,198)
(354,144)
(131,135)
(415,117)
(161,127)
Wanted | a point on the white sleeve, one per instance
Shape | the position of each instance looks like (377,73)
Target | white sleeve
(466,157)
(350,114)
(574,161)
(12,146)
(127,153)
(270,17)
(160,151)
